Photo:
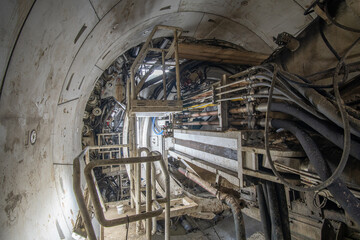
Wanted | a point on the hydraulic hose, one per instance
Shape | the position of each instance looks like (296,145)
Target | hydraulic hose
(264,214)
(230,200)
(330,132)
(345,154)
(274,209)
(338,188)
(284,213)
(326,107)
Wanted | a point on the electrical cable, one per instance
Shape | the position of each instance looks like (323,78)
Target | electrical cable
(338,189)
(153,127)
(331,48)
(299,100)
(306,85)
(346,149)
(333,21)
(329,131)
(341,165)
(326,41)
(327,108)
(352,67)
(321,204)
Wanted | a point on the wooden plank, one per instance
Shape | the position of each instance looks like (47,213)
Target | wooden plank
(209,53)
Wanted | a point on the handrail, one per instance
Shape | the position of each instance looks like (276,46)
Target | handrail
(95,198)
(153,157)
(80,197)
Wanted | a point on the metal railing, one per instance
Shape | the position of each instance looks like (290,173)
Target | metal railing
(95,198)
(173,49)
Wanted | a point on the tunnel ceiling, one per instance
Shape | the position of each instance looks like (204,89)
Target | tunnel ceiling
(52,53)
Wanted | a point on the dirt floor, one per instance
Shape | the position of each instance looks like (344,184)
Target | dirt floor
(202,229)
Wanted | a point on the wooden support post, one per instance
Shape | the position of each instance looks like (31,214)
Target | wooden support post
(204,52)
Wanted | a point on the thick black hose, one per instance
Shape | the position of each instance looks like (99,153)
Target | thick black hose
(330,132)
(238,217)
(276,226)
(264,214)
(284,213)
(322,185)
(324,106)
(338,188)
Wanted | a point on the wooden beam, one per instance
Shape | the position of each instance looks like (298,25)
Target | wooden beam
(209,53)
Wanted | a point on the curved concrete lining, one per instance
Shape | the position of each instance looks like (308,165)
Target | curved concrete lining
(62,49)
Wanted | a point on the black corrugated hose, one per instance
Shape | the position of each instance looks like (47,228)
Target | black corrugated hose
(333,133)
(338,188)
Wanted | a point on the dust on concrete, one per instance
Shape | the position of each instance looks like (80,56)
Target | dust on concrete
(12,202)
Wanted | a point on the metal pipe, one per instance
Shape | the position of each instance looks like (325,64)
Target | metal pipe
(118,161)
(132,185)
(167,194)
(137,176)
(148,191)
(108,146)
(246,80)
(80,199)
(233,90)
(253,96)
(238,110)
(199,95)
(95,198)
(132,151)
(230,200)
(119,103)
(153,193)
(201,114)
(198,123)
(148,200)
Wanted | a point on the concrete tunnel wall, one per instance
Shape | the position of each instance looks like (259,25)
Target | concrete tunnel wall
(50,70)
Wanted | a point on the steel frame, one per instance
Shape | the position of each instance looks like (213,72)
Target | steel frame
(94,196)
(149,107)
